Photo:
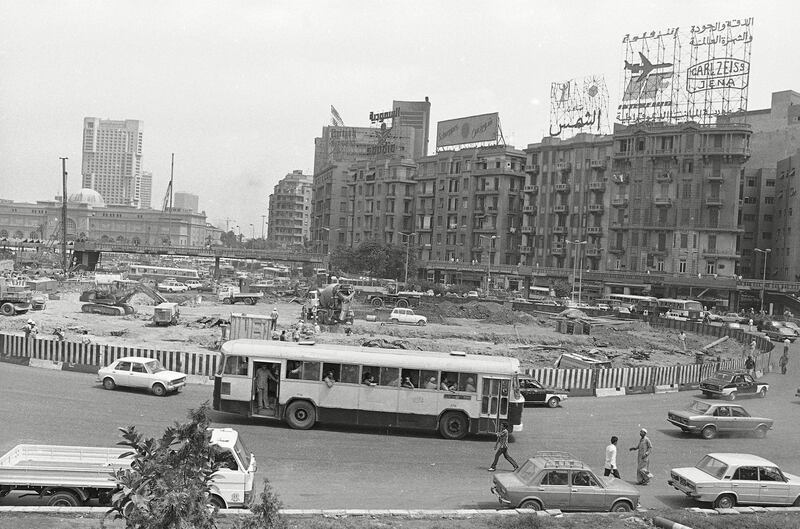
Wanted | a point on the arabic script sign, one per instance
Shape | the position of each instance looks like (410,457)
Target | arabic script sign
(473,129)
(691,74)
(579,105)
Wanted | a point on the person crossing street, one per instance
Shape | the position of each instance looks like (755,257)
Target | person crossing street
(501,447)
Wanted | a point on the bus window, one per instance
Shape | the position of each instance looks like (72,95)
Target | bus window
(294,369)
(334,368)
(413,376)
(349,374)
(466,382)
(390,376)
(235,365)
(428,379)
(448,381)
(311,371)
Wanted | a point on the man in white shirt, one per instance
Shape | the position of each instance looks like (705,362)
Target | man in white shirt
(611,458)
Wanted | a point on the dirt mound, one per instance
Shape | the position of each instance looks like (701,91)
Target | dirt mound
(477,310)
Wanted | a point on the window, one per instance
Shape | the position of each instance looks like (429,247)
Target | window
(556,477)
(769,474)
(389,376)
(583,478)
(139,368)
(467,382)
(123,366)
(235,365)
(746,474)
(739,412)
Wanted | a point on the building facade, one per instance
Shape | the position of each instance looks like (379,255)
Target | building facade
(187,201)
(785,244)
(112,160)
(290,209)
(146,190)
(88,217)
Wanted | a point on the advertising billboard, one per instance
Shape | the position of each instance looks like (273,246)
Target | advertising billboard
(686,74)
(473,129)
(579,105)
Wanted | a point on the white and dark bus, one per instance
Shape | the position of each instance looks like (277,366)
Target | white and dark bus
(160,273)
(454,393)
(681,309)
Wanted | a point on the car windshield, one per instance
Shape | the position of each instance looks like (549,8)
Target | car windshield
(242,452)
(712,466)
(726,377)
(699,407)
(527,471)
(154,366)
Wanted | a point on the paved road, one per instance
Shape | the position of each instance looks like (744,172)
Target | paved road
(340,468)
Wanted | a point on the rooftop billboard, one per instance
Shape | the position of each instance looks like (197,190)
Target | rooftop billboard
(473,129)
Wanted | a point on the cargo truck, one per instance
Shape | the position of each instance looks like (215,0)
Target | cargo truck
(15,297)
(70,476)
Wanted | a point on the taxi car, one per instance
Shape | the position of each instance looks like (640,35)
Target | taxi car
(725,480)
(731,384)
(711,418)
(537,393)
(556,480)
(138,372)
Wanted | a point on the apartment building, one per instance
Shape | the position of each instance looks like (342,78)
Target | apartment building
(290,210)
(112,160)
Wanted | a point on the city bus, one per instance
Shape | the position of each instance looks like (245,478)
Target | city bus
(634,303)
(159,273)
(340,384)
(681,309)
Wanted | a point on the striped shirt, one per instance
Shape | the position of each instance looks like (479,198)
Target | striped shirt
(502,439)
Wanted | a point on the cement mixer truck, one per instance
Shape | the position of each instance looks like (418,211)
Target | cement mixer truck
(331,304)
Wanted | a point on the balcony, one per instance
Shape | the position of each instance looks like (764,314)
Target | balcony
(529,209)
(528,229)
(662,202)
(718,253)
(594,230)
(559,230)
(711,177)
(597,164)
(620,178)
(487,191)
(727,151)
(558,250)
(593,251)
(617,225)
(525,249)
(715,202)
(562,188)
(531,189)
(664,177)
(619,202)
(532,169)
(564,167)
(595,208)
(616,249)
(599,187)
(560,208)
(452,227)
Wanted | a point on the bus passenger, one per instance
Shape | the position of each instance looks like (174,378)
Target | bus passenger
(368,379)
(431,383)
(407,383)
(470,385)
(329,380)
(446,385)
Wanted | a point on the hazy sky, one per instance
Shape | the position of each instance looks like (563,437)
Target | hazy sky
(239,89)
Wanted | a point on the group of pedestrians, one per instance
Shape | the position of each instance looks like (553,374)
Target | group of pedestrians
(643,449)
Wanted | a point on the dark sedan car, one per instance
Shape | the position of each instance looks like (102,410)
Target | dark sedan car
(711,418)
(537,393)
(733,384)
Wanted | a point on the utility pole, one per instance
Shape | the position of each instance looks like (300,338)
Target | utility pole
(263,220)
(169,215)
(64,214)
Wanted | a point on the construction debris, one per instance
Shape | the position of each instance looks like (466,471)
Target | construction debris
(388,344)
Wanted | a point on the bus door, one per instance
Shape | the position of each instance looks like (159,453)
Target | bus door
(494,404)
(266,382)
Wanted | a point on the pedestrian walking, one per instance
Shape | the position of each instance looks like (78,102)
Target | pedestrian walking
(750,365)
(645,447)
(784,361)
(501,447)
(753,348)
(682,338)
(611,458)
(30,329)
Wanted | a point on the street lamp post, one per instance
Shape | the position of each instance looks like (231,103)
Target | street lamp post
(488,263)
(408,247)
(575,270)
(763,273)
(252,232)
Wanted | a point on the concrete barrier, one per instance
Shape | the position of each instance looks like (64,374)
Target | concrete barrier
(665,388)
(610,392)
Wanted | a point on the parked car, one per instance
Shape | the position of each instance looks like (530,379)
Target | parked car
(555,480)
(726,480)
(602,306)
(536,393)
(39,301)
(471,294)
(137,372)
(401,315)
(194,284)
(779,334)
(171,285)
(711,418)
(733,384)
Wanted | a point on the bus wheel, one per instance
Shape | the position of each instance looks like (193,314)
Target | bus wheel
(453,425)
(301,415)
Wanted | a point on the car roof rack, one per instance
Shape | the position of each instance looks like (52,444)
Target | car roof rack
(559,459)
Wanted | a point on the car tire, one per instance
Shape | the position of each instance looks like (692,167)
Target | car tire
(228,301)
(109,383)
(7,309)
(725,501)
(761,432)
(732,395)
(421,323)
(159,390)
(394,320)
(621,506)
(709,432)
(453,425)
(64,498)
(553,402)
(707,395)
(763,393)
(533,505)
(216,502)
(301,415)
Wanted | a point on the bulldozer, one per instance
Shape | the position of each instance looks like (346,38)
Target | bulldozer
(112,299)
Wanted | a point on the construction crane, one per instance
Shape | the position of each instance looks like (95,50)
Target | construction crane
(112,299)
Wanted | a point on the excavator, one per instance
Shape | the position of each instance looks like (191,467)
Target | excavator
(112,299)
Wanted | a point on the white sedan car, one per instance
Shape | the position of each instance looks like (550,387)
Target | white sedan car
(400,315)
(136,372)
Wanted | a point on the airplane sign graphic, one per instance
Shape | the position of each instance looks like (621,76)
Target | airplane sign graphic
(645,67)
